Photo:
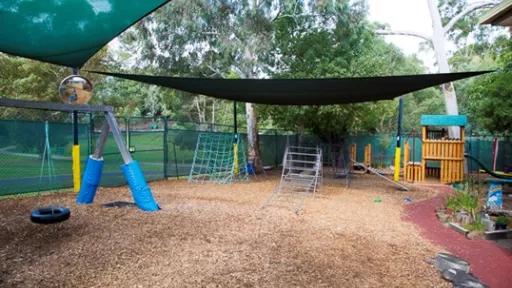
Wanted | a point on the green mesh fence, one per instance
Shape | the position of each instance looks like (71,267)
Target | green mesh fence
(165,148)
(21,149)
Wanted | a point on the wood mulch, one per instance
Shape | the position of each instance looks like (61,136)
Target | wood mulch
(217,236)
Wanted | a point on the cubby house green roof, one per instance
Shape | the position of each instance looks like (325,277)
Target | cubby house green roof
(444,120)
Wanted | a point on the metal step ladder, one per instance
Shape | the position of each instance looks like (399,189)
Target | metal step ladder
(301,176)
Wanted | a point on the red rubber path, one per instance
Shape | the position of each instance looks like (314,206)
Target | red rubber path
(489,262)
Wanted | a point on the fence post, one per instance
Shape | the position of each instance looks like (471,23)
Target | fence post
(176,161)
(276,158)
(91,134)
(127,131)
(507,165)
(165,147)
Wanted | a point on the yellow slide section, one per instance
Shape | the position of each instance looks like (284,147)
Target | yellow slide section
(396,175)
(76,168)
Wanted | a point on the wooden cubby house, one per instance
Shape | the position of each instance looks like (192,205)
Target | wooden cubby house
(441,156)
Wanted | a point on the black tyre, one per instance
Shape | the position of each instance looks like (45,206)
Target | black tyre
(50,215)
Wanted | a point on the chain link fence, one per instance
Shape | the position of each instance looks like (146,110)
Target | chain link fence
(165,148)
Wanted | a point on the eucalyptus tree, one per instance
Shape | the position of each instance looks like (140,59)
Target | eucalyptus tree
(487,98)
(339,43)
(209,38)
(452,20)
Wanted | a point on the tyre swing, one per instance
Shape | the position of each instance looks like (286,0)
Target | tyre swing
(50,215)
(73,90)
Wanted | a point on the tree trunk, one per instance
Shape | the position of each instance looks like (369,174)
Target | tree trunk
(253,143)
(438,41)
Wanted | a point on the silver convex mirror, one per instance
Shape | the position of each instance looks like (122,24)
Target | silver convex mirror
(75,89)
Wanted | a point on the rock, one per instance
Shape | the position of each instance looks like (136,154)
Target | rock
(446,261)
(463,217)
(462,279)
(475,235)
(489,224)
(456,270)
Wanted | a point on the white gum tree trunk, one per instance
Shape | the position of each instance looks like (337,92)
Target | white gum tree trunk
(438,41)
(253,144)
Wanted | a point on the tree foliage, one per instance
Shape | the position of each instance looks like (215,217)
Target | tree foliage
(278,39)
(467,28)
(339,43)
(487,98)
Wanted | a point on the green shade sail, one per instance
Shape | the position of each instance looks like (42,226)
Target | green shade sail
(66,32)
(69,32)
(302,91)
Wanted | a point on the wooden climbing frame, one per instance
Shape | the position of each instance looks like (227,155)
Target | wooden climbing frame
(413,170)
(367,161)
(368,155)
(438,146)
(449,152)
(353,152)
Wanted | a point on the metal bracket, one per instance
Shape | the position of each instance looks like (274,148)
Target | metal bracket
(127,157)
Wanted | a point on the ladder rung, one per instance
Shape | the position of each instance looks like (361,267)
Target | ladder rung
(301,168)
(301,161)
(300,176)
(302,181)
(304,154)
(302,148)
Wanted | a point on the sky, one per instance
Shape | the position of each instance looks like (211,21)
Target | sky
(411,15)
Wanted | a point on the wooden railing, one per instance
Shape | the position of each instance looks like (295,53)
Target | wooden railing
(443,150)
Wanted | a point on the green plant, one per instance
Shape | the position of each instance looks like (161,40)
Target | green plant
(463,200)
(502,220)
(476,225)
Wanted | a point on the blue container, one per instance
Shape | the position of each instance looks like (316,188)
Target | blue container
(250,168)
(495,195)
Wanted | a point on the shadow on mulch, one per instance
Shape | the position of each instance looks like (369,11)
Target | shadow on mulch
(119,204)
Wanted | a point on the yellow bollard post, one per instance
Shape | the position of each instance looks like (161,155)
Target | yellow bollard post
(396,175)
(236,167)
(76,167)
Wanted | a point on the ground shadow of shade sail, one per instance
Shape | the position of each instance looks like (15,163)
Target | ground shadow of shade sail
(302,91)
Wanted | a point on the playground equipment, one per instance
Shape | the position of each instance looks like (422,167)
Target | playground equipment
(487,170)
(302,169)
(366,166)
(302,174)
(47,156)
(50,215)
(75,89)
(140,190)
(353,151)
(412,170)
(438,149)
(367,160)
(217,159)
(368,155)
(494,201)
(340,156)
(381,174)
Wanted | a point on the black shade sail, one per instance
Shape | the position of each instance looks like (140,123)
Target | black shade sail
(302,91)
